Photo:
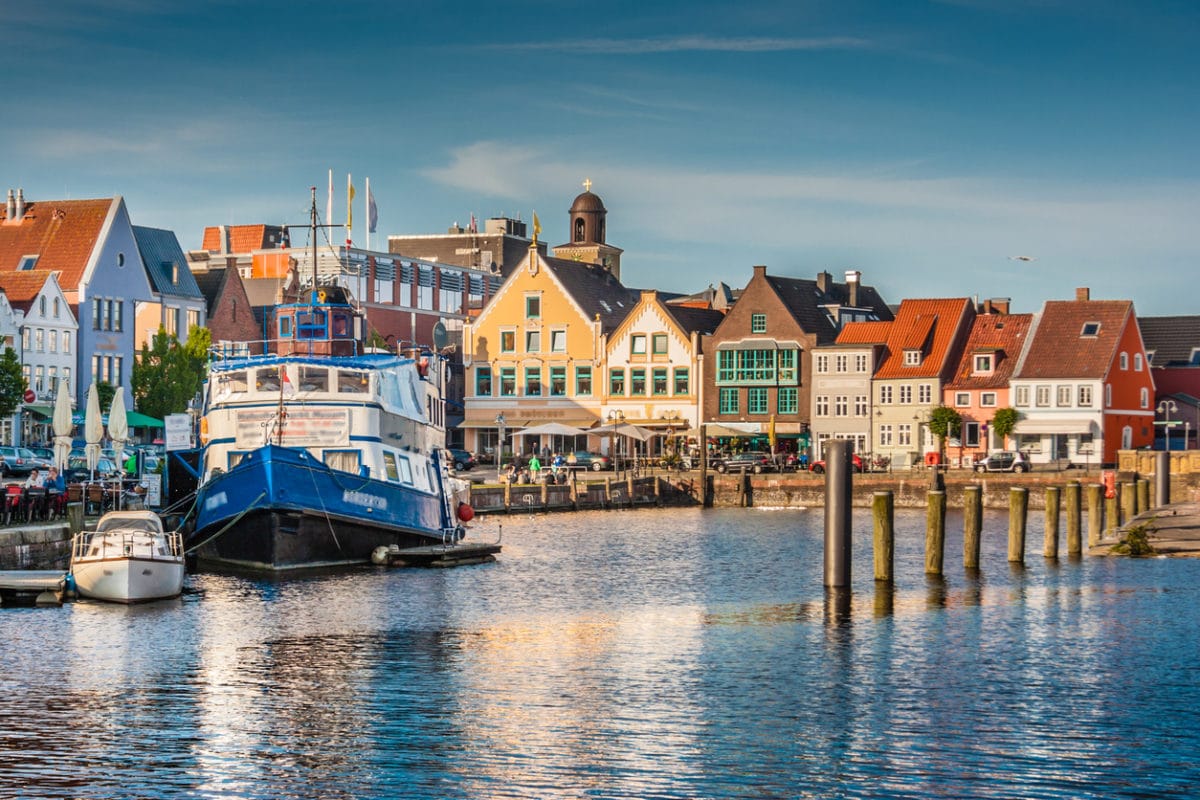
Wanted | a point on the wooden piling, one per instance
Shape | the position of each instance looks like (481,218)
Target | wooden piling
(629,487)
(1143,495)
(883,515)
(972,524)
(1129,492)
(1051,538)
(1074,531)
(545,495)
(935,532)
(1095,513)
(507,496)
(1018,507)
(1112,513)
(608,498)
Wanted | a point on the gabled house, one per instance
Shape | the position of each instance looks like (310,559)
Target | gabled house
(228,309)
(979,385)
(758,362)
(1083,388)
(841,385)
(923,348)
(536,352)
(178,304)
(653,362)
(1173,350)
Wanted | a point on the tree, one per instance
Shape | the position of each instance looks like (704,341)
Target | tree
(168,374)
(1003,423)
(105,392)
(944,422)
(12,382)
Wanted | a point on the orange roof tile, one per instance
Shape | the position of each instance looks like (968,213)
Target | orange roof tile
(1000,334)
(875,332)
(242,239)
(23,287)
(61,233)
(1060,350)
(928,325)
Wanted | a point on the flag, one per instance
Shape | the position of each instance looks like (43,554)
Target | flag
(286,383)
(372,211)
(349,205)
(537,226)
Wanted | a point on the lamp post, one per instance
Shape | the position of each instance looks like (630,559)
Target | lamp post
(614,417)
(1165,408)
(500,447)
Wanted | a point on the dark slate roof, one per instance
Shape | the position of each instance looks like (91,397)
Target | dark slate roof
(805,301)
(1171,338)
(162,254)
(595,290)
(695,320)
(211,283)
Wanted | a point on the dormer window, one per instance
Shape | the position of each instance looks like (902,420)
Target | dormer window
(758,323)
(983,362)
(1090,329)
(912,358)
(27,263)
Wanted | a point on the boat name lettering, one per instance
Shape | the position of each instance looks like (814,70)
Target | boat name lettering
(364,499)
(216,501)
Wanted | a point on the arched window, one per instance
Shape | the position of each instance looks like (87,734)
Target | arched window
(42,305)
(56,308)
(1145,397)
(579,225)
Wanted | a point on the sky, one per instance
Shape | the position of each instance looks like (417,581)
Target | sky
(978,148)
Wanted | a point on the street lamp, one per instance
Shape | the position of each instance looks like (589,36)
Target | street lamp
(500,449)
(1165,408)
(614,417)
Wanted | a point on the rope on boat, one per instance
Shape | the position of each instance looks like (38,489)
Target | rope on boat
(229,524)
(328,522)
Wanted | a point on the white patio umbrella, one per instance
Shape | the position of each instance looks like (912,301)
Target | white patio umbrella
(62,426)
(93,429)
(118,426)
(552,429)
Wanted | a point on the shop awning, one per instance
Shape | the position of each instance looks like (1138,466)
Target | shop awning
(1054,425)
(41,412)
(731,429)
(137,420)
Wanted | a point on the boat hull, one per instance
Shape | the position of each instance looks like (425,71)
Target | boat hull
(128,580)
(281,510)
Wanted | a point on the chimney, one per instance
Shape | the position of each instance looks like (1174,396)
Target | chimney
(987,307)
(823,281)
(760,270)
(852,279)
(1000,305)
(1083,294)
(11,210)
(225,234)
(19,211)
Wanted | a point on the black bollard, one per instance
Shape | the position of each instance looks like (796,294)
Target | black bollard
(838,487)
(1162,478)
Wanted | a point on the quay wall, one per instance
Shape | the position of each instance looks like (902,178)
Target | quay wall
(41,546)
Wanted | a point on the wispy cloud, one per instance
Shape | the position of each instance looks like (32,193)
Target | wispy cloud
(683,44)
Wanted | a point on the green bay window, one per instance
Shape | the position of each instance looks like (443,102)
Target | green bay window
(583,381)
(763,365)
(659,387)
(637,382)
(508,381)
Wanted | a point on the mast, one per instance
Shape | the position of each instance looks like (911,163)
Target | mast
(312,298)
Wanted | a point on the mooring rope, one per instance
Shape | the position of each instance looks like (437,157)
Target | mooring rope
(229,524)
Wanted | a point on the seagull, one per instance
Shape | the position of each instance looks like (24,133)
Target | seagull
(1021,258)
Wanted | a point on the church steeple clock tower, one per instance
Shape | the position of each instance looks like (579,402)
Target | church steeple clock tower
(587,233)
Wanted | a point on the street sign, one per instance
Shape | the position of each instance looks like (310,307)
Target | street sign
(178,431)
(30,396)
(1168,424)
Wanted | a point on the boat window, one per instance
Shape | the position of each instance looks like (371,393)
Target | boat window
(353,382)
(405,469)
(341,326)
(266,379)
(389,466)
(127,524)
(285,327)
(311,325)
(314,379)
(235,457)
(344,460)
(232,382)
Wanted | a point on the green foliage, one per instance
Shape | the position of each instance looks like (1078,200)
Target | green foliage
(1004,422)
(377,340)
(12,382)
(1136,541)
(105,391)
(944,422)
(167,374)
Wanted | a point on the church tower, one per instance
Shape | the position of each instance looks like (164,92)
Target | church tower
(587,234)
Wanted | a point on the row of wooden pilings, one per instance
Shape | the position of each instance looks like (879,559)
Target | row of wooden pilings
(1126,501)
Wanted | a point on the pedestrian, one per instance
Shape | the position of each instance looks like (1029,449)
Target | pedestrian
(535,466)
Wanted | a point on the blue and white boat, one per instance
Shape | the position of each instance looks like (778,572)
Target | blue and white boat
(318,452)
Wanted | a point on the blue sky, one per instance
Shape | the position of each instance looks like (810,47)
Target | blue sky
(924,143)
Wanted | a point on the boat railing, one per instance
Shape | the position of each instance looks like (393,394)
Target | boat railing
(117,544)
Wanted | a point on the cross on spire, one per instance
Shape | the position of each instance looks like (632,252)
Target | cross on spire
(587,184)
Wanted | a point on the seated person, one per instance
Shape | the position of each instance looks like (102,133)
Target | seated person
(35,480)
(54,481)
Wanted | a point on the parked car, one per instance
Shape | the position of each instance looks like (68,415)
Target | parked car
(19,461)
(753,461)
(1004,461)
(44,453)
(461,460)
(77,469)
(856,464)
(583,459)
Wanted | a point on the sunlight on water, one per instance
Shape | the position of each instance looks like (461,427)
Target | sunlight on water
(669,654)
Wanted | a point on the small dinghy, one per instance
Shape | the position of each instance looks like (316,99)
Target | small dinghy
(129,558)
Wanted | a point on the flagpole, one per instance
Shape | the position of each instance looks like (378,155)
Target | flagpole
(367,212)
(329,201)
(349,208)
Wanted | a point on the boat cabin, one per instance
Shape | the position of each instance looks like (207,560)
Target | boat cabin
(328,325)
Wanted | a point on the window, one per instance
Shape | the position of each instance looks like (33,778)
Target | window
(117,371)
(66,341)
(756,366)
(533,306)
(904,435)
(925,393)
(285,327)
(682,382)
(1022,396)
(39,378)
(786,401)
(27,263)
(583,380)
(912,358)
(42,305)
(351,381)
(637,344)
(841,406)
(962,399)
(728,401)
(483,381)
(659,381)
(53,341)
(56,314)
(987,399)
(558,381)
(905,395)
(39,339)
(860,405)
(1085,397)
(558,341)
(822,363)
(1090,329)
(66,379)
(508,341)
(616,382)
(96,313)
(885,395)
(1124,359)
(1137,362)
(193,318)
(970,434)
(309,324)
(313,379)
(822,405)
(1108,395)
(885,435)
(1063,396)
(171,324)
(533,341)
(860,362)
(1043,396)
(533,381)
(756,401)
(659,344)
(841,363)
(118,309)
(637,382)
(342,460)
(983,362)
(1145,397)
(758,323)
(508,381)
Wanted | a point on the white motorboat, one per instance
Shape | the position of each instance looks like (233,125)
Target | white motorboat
(129,558)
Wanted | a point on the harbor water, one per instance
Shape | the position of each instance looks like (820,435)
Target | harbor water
(649,654)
